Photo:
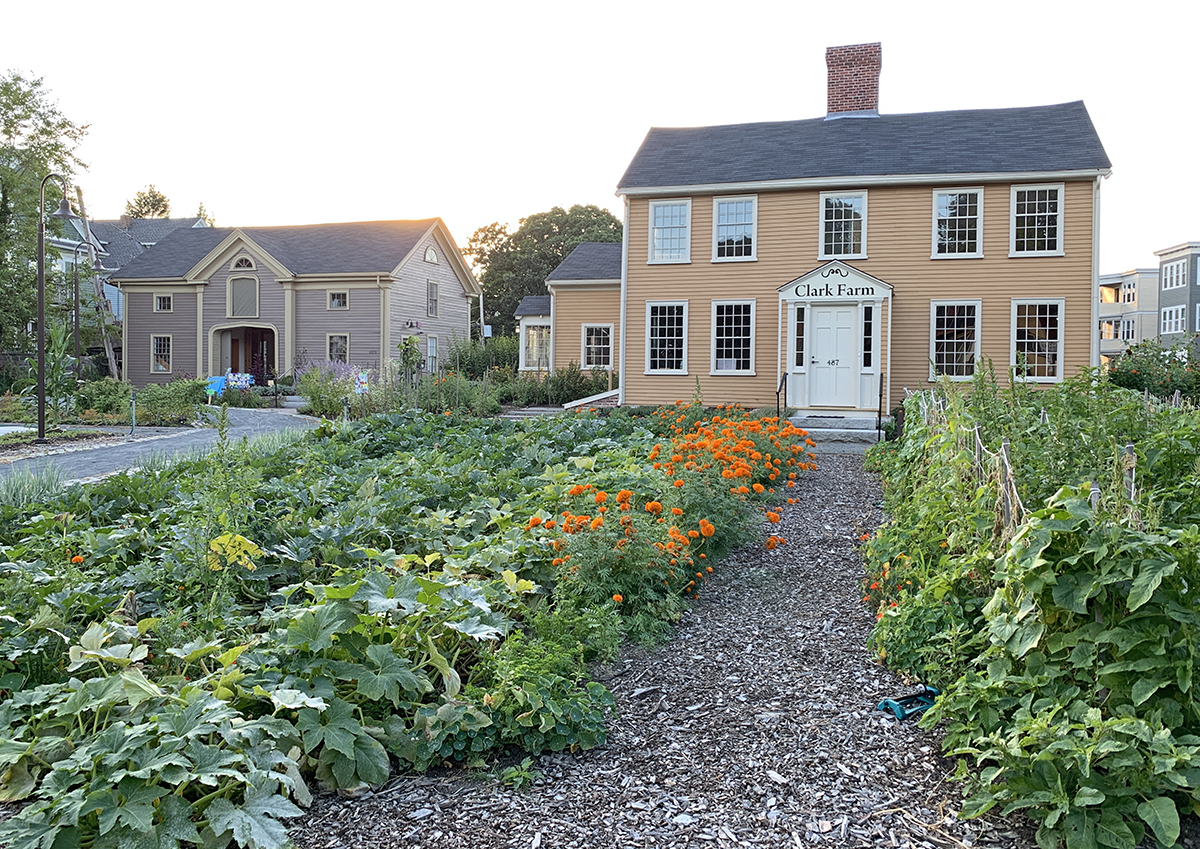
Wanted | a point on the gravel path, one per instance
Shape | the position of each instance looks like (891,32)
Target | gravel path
(754,726)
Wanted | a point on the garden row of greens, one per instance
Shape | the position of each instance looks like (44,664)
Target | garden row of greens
(183,650)
(1066,643)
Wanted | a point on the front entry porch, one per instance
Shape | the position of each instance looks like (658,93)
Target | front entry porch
(250,349)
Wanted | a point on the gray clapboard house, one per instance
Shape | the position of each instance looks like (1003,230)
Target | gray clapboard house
(264,300)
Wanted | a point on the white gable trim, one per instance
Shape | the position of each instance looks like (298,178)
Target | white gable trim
(835,281)
(454,256)
(230,245)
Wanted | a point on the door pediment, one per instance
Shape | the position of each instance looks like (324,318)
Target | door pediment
(835,281)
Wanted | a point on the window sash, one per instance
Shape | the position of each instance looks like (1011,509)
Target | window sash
(799,354)
(160,354)
(597,346)
(431,307)
(537,346)
(868,323)
(734,228)
(733,336)
(339,300)
(955,339)
(1128,331)
(670,231)
(1037,338)
(1037,220)
(1174,319)
(431,355)
(337,347)
(666,329)
(843,225)
(163,303)
(956,223)
(1174,275)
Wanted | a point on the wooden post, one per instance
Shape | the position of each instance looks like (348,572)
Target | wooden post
(1131,470)
(1007,501)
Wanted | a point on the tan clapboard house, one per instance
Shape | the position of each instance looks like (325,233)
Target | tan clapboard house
(264,300)
(842,259)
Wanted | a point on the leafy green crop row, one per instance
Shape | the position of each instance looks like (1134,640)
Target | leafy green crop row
(186,650)
(1065,644)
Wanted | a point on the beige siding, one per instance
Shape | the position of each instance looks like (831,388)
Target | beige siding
(142,322)
(314,320)
(573,308)
(410,296)
(899,242)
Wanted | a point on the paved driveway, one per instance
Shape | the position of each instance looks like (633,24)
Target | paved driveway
(129,452)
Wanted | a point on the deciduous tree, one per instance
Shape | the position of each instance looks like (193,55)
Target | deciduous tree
(513,265)
(148,203)
(35,140)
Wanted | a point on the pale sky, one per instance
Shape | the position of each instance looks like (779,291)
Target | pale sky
(304,112)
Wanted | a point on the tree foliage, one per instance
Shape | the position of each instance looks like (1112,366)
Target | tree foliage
(206,215)
(513,265)
(148,203)
(35,139)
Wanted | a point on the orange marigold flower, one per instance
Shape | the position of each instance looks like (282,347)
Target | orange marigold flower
(677,511)
(678,483)
(772,516)
(744,490)
(575,490)
(708,569)
(707,528)
(653,507)
(78,558)
(875,585)
(693,534)
(598,522)
(623,496)
(618,598)
(601,497)
(534,521)
(601,509)
(758,488)
(550,523)
(864,537)
(771,544)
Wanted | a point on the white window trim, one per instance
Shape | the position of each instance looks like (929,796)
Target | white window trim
(876,312)
(434,303)
(933,249)
(233,266)
(431,255)
(1198,318)
(821,225)
(1177,272)
(687,258)
(717,201)
(170,299)
(683,364)
(583,329)
(329,299)
(1012,219)
(933,305)
(1178,315)
(522,366)
(229,295)
(328,337)
(170,344)
(712,338)
(793,338)
(1012,337)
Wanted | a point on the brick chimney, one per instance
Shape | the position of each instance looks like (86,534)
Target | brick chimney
(124,221)
(854,79)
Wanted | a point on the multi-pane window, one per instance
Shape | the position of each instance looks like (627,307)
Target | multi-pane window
(733,336)
(1037,219)
(337,347)
(956,223)
(163,303)
(733,228)
(339,300)
(243,262)
(843,225)
(666,331)
(536,350)
(160,354)
(1129,292)
(431,353)
(1173,319)
(431,300)
(243,297)
(1174,275)
(670,226)
(1128,328)
(868,336)
(955,338)
(1109,328)
(597,346)
(431,255)
(799,337)
(1037,339)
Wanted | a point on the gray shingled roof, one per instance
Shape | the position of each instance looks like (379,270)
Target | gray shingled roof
(971,141)
(122,245)
(368,247)
(590,261)
(533,305)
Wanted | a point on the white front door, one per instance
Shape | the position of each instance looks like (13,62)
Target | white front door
(833,360)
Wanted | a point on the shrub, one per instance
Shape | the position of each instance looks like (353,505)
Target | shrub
(250,397)
(474,359)
(106,395)
(1163,371)
(174,403)
(324,385)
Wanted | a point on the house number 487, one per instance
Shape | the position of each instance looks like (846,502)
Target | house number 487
(831,362)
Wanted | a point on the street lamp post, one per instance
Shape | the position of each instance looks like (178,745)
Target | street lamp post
(64,212)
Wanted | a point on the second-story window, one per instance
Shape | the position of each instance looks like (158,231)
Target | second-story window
(843,225)
(243,297)
(956,231)
(1129,292)
(1174,275)
(1036,223)
(670,230)
(734,223)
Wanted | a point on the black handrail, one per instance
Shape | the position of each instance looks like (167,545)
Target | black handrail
(782,388)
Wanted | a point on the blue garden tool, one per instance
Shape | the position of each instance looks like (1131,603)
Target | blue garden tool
(907,706)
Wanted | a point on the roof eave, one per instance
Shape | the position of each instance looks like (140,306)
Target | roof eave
(864,181)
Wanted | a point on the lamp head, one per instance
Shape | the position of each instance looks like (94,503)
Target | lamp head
(64,210)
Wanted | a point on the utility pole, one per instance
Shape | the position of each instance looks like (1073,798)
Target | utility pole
(103,307)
